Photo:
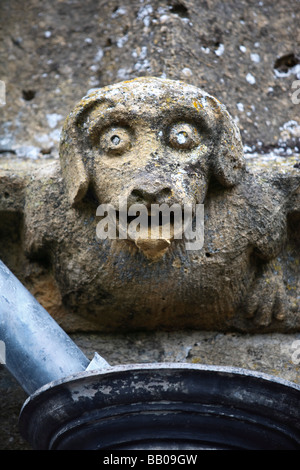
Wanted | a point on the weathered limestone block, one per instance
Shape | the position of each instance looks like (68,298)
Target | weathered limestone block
(155,141)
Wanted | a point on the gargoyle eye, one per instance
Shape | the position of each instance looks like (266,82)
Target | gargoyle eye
(115,140)
(183,136)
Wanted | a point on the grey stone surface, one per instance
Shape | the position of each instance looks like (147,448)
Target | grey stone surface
(245,53)
(275,354)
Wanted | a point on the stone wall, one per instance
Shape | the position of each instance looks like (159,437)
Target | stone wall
(246,53)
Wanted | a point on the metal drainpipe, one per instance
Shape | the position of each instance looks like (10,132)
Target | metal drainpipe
(37,350)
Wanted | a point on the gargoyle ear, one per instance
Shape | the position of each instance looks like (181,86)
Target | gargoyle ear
(228,163)
(75,147)
(76,144)
(73,169)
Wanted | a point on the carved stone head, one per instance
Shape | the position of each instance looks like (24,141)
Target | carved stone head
(149,141)
(154,142)
(136,128)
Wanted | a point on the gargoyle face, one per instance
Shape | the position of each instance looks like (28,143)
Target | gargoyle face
(149,141)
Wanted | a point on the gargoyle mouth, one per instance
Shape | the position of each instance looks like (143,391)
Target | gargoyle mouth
(153,232)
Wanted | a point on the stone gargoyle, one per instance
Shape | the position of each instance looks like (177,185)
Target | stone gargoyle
(153,141)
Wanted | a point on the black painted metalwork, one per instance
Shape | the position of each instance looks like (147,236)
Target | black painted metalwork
(165,406)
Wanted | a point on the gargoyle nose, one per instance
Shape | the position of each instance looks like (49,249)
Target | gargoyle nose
(153,195)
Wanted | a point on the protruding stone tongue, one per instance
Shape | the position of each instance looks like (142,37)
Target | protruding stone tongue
(153,249)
